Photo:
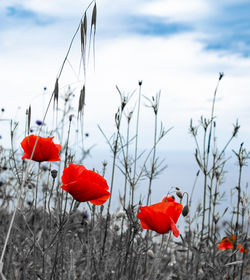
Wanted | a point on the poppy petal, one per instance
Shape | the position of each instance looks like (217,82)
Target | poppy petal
(65,187)
(225,244)
(85,185)
(72,172)
(157,218)
(174,228)
(145,217)
(45,150)
(100,200)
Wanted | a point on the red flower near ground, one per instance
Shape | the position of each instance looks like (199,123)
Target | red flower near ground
(46,149)
(85,185)
(161,217)
(225,244)
(228,243)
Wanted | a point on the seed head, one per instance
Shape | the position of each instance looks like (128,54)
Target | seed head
(221,74)
(185,211)
(179,194)
(54,173)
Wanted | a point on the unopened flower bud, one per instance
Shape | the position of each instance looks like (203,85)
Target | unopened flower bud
(179,194)
(185,210)
(54,173)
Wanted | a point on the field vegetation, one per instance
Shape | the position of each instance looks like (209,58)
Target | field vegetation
(56,219)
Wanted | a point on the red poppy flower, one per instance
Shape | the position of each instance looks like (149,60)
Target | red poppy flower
(46,149)
(85,185)
(161,217)
(228,243)
(225,244)
(241,248)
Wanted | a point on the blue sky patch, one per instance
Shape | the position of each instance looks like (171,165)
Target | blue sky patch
(20,14)
(231,30)
(226,30)
(155,26)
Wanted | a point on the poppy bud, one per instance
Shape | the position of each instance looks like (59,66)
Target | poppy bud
(185,211)
(179,194)
(54,173)
(177,188)
(140,83)
(70,117)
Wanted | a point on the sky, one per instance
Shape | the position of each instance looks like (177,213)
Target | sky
(173,46)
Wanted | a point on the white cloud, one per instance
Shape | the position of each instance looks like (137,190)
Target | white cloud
(177,65)
(178,10)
